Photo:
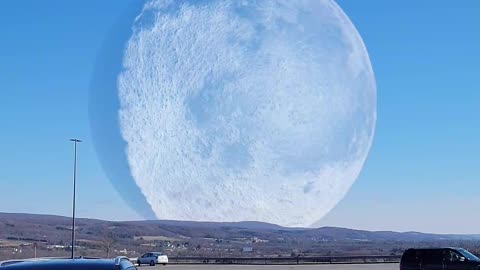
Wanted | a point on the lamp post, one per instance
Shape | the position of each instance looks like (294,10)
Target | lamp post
(75,141)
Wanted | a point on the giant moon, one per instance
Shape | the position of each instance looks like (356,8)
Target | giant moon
(234,110)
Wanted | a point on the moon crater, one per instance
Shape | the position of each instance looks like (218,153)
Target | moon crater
(245,110)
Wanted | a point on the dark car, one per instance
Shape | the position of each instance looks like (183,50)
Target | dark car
(439,259)
(119,263)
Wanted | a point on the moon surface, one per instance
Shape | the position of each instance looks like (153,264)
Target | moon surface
(240,110)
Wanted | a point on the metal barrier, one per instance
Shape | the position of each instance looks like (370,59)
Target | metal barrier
(288,260)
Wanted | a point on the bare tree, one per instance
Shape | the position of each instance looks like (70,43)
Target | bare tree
(109,241)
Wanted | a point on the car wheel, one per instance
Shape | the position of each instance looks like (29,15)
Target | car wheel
(164,264)
(152,263)
(138,262)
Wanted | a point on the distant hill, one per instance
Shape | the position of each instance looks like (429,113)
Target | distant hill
(35,224)
(188,238)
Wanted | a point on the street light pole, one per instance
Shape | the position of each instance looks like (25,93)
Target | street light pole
(75,141)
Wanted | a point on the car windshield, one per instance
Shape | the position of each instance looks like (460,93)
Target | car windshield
(465,253)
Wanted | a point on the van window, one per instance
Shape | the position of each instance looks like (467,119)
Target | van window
(433,256)
(411,257)
(451,256)
(468,255)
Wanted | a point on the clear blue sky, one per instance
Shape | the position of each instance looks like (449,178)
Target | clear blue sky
(423,171)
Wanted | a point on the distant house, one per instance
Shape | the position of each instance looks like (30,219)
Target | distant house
(247,249)
(50,247)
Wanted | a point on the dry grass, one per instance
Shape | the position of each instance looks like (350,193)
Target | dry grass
(13,243)
(156,238)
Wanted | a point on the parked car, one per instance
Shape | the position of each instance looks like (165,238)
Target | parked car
(439,259)
(119,263)
(152,258)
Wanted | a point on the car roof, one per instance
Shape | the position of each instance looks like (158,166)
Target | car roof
(54,264)
(440,248)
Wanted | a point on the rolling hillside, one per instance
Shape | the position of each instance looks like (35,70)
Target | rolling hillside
(52,236)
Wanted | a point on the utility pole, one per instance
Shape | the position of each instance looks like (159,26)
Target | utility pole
(75,141)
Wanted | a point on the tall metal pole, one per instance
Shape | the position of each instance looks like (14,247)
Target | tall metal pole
(75,141)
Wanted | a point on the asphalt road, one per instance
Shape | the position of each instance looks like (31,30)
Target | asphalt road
(392,266)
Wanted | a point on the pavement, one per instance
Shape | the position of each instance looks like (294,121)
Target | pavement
(392,266)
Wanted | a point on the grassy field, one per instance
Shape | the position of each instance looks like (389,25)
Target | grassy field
(156,238)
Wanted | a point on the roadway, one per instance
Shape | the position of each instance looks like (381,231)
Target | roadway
(391,266)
